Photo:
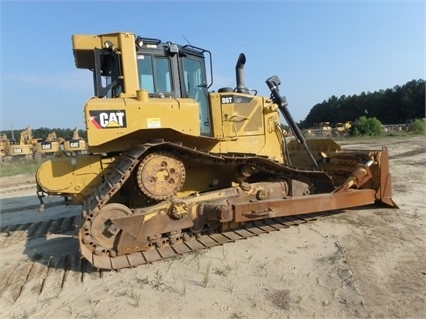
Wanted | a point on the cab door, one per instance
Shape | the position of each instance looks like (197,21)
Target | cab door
(194,79)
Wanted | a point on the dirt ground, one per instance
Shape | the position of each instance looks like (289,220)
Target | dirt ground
(360,263)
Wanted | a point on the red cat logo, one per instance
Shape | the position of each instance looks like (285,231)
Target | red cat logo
(108,119)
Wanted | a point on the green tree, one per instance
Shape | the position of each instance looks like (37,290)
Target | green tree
(418,126)
(366,126)
(397,105)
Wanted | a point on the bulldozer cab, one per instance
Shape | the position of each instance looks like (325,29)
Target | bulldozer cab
(147,89)
(164,70)
(178,71)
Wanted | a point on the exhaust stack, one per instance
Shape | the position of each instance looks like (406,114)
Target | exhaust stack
(239,72)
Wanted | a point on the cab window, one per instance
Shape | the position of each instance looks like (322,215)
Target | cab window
(154,74)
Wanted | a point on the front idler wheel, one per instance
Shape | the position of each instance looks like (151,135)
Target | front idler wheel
(103,231)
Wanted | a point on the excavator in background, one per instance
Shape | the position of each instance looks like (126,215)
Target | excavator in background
(172,165)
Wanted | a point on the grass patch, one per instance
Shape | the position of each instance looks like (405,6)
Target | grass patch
(206,276)
(18,167)
(158,282)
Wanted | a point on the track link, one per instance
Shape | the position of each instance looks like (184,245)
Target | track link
(194,243)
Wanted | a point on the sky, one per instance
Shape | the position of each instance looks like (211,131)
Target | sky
(317,48)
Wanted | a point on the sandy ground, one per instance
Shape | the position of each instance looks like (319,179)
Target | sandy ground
(359,263)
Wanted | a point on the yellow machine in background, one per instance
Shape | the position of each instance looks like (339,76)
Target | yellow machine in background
(170,160)
(48,146)
(75,144)
(3,145)
(325,129)
(342,129)
(22,148)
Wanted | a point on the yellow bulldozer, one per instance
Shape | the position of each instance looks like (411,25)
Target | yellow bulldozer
(173,165)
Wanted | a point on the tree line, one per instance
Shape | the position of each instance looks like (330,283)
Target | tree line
(398,105)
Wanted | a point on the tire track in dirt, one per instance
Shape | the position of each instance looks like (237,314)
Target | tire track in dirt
(43,277)
(7,189)
(13,234)
(46,276)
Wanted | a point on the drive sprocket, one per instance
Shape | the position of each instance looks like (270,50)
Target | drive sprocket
(160,175)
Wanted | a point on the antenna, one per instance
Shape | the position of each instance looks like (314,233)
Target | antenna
(187,40)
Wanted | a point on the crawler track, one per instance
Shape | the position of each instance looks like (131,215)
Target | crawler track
(195,243)
(99,256)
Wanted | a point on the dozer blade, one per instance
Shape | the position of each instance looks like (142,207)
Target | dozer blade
(384,193)
(372,174)
(367,169)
